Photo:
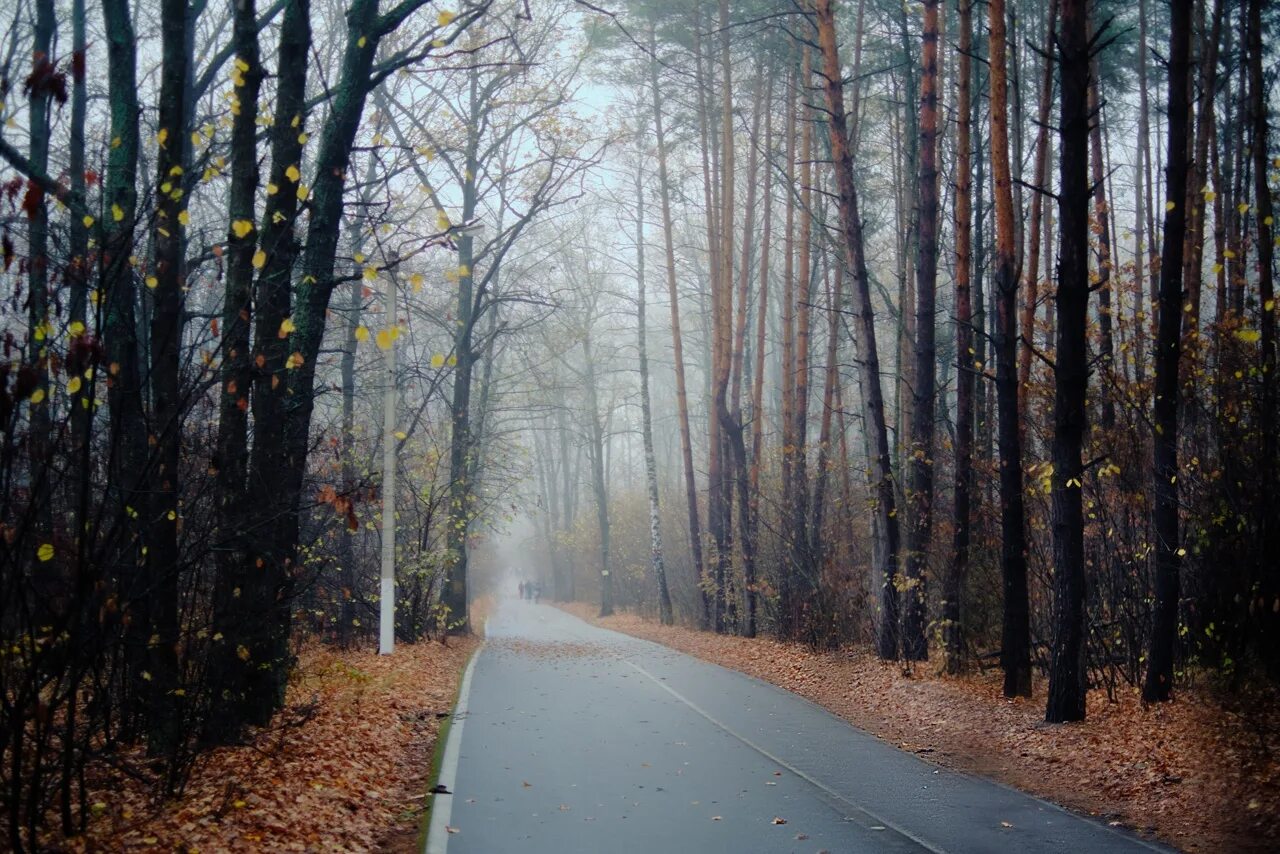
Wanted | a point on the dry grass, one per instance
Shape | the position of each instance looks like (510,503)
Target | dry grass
(1192,772)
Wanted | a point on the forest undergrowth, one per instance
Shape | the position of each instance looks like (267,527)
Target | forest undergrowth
(342,767)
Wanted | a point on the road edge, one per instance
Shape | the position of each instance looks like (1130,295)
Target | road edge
(437,836)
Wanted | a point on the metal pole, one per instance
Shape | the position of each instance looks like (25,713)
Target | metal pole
(387,598)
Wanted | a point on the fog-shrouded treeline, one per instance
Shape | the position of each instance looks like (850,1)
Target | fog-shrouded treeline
(948,329)
(944,328)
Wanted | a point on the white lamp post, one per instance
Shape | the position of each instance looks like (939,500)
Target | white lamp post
(387,600)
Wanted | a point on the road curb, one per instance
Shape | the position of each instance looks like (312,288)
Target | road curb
(442,806)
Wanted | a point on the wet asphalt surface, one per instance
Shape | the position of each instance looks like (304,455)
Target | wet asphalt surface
(579,739)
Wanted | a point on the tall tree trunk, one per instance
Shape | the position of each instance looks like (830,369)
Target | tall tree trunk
(597,451)
(78,248)
(1031,296)
(656,562)
(757,375)
(677,344)
(1015,652)
(966,371)
(1270,530)
(920,504)
(248,669)
(1102,221)
(166,393)
(1067,667)
(1158,684)
(128,435)
(39,324)
(885,515)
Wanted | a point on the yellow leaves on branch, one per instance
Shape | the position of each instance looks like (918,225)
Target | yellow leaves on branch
(362,333)
(259,260)
(295,360)
(241,228)
(286,326)
(1249,336)
(292,173)
(445,18)
(45,553)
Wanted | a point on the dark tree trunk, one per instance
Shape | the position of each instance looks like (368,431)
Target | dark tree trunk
(1067,674)
(915,645)
(966,371)
(885,515)
(1158,683)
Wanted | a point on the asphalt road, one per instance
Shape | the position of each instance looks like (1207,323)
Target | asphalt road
(572,738)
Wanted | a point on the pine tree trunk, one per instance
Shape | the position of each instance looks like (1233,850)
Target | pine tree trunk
(1067,673)
(1015,652)
(1158,683)
(966,371)
(677,344)
(885,515)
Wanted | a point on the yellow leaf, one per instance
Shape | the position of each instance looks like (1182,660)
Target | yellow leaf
(162,137)
(358,257)
(1243,207)
(286,326)
(241,228)
(45,553)
(117,213)
(292,173)
(242,64)
(1268,220)
(259,260)
(1210,195)
(76,329)
(242,652)
(73,385)
(302,192)
(1249,336)
(361,42)
(88,221)
(401,435)
(184,218)
(1217,268)
(171,515)
(362,333)
(294,361)
(437,361)
(153,282)
(384,339)
(1269,305)
(272,189)
(370,273)
(442,221)
(416,281)
(37,396)
(445,18)
(1169,205)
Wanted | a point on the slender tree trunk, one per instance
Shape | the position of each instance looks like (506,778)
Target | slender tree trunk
(677,344)
(1015,653)
(966,371)
(1031,296)
(884,512)
(166,393)
(78,248)
(1067,667)
(920,504)
(1158,684)
(597,449)
(656,563)
(1102,222)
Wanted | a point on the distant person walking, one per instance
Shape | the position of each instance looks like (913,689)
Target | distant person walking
(537,593)
(521,589)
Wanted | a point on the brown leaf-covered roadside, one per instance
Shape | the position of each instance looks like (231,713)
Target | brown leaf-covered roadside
(342,768)
(1193,772)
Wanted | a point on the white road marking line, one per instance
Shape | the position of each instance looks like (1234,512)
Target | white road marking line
(832,793)
(442,807)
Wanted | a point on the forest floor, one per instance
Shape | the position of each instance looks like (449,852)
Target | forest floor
(343,767)
(1196,772)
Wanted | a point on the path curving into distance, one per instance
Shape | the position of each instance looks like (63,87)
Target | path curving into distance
(572,738)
